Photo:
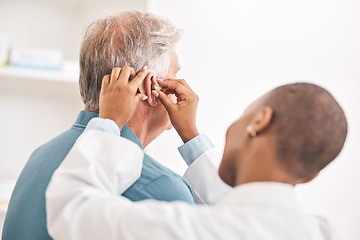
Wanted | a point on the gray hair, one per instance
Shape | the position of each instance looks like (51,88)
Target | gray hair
(132,38)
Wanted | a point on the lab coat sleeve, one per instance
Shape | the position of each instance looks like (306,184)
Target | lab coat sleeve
(204,179)
(83,198)
(200,155)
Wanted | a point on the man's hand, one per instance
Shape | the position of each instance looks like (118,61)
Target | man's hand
(118,96)
(183,113)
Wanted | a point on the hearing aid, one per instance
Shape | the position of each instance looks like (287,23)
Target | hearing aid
(148,85)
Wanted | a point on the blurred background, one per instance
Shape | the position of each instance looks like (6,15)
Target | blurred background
(231,53)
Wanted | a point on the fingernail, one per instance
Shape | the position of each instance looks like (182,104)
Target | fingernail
(159,79)
(155,93)
(145,67)
(145,98)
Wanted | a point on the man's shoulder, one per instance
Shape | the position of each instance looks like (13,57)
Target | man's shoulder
(28,198)
(152,166)
(46,158)
(44,161)
(59,145)
(154,171)
(160,183)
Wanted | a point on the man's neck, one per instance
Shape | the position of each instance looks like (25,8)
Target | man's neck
(85,109)
(144,128)
(143,131)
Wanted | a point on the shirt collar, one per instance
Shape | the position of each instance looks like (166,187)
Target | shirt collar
(269,193)
(85,116)
(126,132)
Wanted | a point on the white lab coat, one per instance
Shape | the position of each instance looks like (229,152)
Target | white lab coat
(83,202)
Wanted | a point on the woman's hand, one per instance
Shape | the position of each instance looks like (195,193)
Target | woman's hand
(183,113)
(118,96)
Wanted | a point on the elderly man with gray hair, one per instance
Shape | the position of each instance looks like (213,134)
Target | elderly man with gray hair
(127,39)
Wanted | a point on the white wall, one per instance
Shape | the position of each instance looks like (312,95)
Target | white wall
(41,24)
(233,51)
(56,23)
(33,112)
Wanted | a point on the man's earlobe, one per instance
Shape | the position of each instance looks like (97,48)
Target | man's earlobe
(148,83)
(262,120)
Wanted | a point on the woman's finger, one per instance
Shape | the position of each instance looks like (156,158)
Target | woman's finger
(168,104)
(105,82)
(139,78)
(140,97)
(181,81)
(125,74)
(115,73)
(175,86)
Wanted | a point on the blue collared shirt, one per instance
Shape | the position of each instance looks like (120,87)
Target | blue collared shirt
(26,216)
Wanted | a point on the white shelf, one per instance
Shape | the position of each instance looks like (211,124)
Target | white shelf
(19,73)
(6,187)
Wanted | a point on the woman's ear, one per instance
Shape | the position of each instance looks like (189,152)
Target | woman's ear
(261,122)
(310,179)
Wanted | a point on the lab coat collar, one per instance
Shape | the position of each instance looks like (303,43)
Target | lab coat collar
(269,193)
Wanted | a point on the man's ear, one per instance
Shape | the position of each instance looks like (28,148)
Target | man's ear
(262,120)
(148,82)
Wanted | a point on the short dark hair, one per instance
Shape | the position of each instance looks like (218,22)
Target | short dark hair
(310,125)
